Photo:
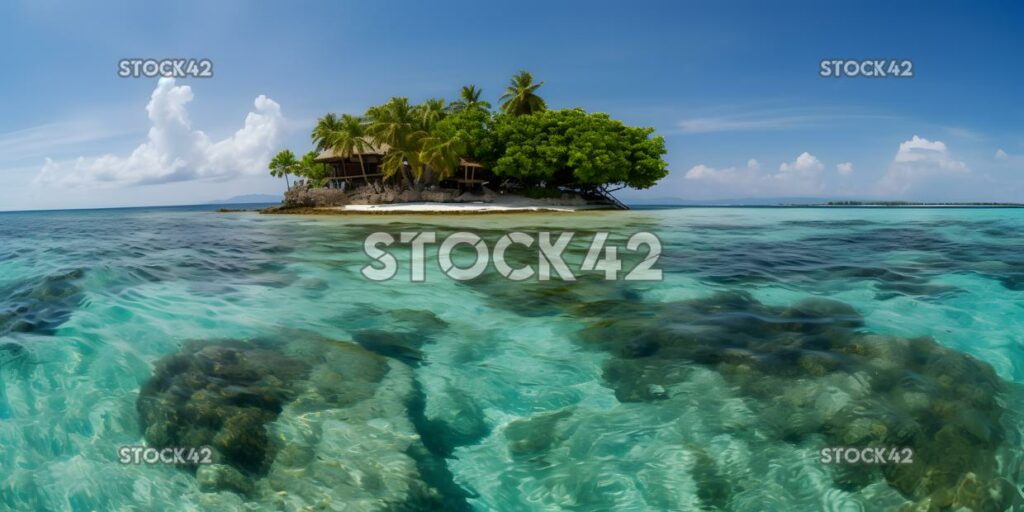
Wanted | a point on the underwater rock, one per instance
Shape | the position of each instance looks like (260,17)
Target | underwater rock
(713,488)
(456,421)
(547,298)
(12,353)
(811,371)
(404,346)
(398,333)
(220,477)
(219,395)
(422,321)
(40,306)
(533,436)
(295,425)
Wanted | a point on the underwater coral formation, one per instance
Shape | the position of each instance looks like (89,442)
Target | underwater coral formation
(294,424)
(811,370)
(40,305)
(219,395)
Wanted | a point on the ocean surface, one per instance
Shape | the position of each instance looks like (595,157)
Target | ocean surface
(774,333)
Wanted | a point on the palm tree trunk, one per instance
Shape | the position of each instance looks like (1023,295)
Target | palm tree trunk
(362,167)
(408,178)
(427,176)
(287,182)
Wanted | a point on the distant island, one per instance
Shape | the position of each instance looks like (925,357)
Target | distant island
(249,199)
(443,156)
(810,202)
(897,204)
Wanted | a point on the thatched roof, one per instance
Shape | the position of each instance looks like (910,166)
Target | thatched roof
(329,155)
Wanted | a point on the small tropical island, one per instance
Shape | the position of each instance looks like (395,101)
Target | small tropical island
(462,156)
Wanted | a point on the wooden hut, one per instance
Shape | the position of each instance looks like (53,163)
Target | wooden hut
(358,169)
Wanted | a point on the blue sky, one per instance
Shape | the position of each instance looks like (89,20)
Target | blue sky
(733,87)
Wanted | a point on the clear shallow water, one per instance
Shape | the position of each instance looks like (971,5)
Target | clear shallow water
(775,332)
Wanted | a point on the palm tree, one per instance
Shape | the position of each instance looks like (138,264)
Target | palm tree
(324,130)
(397,124)
(442,155)
(283,164)
(349,138)
(429,113)
(469,97)
(520,96)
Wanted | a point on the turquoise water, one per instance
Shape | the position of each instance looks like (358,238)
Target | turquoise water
(775,332)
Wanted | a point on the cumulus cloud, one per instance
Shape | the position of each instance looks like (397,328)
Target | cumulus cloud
(174,151)
(1001,155)
(845,168)
(805,163)
(917,164)
(800,177)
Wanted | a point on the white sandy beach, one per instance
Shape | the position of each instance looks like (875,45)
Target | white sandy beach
(479,207)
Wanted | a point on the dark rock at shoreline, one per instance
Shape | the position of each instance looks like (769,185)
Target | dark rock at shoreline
(304,196)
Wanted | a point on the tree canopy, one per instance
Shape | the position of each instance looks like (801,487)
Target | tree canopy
(524,142)
(572,147)
(283,164)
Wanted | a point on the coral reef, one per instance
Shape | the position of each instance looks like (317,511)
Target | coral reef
(219,395)
(401,335)
(294,424)
(811,370)
(40,305)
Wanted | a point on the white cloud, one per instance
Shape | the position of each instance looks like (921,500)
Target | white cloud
(1001,155)
(741,123)
(35,142)
(918,162)
(773,119)
(701,171)
(805,163)
(963,133)
(175,151)
(800,177)
(845,168)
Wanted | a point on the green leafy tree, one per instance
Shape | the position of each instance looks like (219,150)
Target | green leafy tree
(469,98)
(574,148)
(473,128)
(520,96)
(284,164)
(313,171)
(525,142)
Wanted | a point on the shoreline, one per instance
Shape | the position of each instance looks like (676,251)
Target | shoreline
(435,208)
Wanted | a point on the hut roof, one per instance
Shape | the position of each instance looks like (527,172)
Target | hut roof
(329,155)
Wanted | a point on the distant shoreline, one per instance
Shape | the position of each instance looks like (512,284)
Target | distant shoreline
(253,207)
(834,206)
